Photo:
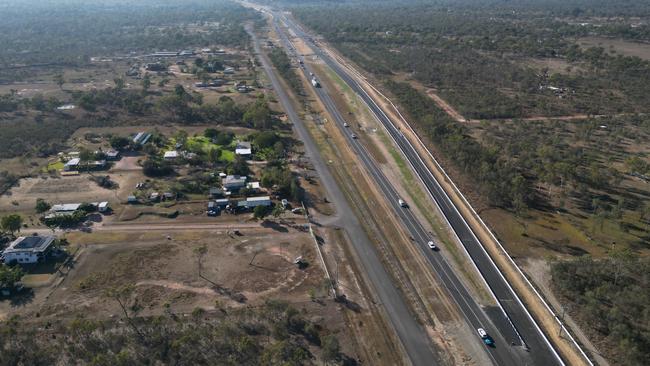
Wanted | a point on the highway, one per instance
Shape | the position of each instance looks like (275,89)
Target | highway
(518,339)
(411,333)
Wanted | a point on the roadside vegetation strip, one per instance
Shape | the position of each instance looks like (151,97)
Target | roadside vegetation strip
(500,250)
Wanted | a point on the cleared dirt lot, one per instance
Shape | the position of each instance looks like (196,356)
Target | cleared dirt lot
(236,270)
(65,189)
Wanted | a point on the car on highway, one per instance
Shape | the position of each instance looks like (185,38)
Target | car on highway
(485,337)
(345,124)
(402,203)
(354,136)
(432,246)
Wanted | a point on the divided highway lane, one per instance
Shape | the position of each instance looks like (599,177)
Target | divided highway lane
(541,352)
(502,354)
(412,334)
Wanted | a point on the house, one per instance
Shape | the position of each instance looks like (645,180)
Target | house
(258,201)
(154,197)
(243,148)
(233,182)
(28,249)
(229,70)
(112,155)
(222,202)
(103,207)
(131,199)
(164,54)
(75,164)
(171,155)
(168,196)
(72,164)
(65,208)
(215,192)
(253,186)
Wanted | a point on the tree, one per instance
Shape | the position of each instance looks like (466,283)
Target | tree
(59,80)
(119,83)
(42,205)
(122,295)
(119,142)
(11,223)
(146,83)
(258,114)
(278,210)
(181,137)
(260,212)
(331,348)
(10,275)
(239,166)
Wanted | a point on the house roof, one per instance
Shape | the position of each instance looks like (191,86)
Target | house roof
(73,162)
(171,154)
(243,148)
(65,207)
(257,199)
(32,244)
(234,180)
(253,185)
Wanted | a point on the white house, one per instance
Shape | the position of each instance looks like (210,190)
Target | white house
(171,155)
(243,148)
(28,249)
(65,207)
(72,164)
(102,206)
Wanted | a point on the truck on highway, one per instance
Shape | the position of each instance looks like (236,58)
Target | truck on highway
(315,82)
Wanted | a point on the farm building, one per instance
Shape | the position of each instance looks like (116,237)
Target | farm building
(141,138)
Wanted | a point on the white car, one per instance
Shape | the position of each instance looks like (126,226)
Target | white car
(345,124)
(402,203)
(482,332)
(432,245)
(353,136)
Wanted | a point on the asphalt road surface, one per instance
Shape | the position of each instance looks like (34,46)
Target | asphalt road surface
(411,333)
(518,340)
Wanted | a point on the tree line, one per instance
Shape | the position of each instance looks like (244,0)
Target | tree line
(611,298)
